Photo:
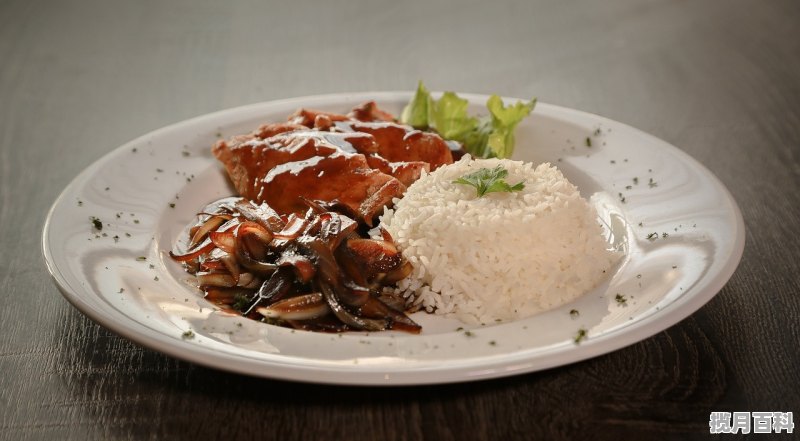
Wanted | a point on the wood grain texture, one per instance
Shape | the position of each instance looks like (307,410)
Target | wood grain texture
(719,79)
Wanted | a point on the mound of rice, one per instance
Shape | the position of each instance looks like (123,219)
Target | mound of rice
(502,256)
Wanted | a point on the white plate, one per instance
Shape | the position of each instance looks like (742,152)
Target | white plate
(152,302)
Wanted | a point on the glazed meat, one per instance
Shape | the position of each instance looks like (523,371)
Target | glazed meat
(399,143)
(283,169)
(393,142)
(359,161)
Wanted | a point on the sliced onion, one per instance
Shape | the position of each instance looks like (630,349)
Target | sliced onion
(293,229)
(304,307)
(304,269)
(386,235)
(346,316)
(225,296)
(215,279)
(206,227)
(194,253)
(255,237)
(262,214)
(376,309)
(335,228)
(398,274)
(275,288)
(245,279)
(213,266)
(229,260)
(246,260)
(223,240)
(377,256)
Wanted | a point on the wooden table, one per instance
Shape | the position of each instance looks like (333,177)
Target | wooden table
(719,79)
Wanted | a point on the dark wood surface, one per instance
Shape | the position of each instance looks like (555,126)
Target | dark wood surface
(719,79)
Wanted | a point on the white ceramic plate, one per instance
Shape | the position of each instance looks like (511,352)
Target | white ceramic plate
(123,278)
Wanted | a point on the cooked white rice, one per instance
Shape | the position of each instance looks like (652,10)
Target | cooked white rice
(502,256)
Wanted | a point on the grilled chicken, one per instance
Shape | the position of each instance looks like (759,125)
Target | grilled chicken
(283,169)
(360,161)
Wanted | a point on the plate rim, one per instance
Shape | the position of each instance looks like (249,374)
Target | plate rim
(486,367)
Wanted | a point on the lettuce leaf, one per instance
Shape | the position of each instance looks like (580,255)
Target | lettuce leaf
(504,122)
(482,137)
(448,116)
(415,113)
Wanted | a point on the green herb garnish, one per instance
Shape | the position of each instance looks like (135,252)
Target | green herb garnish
(489,181)
(621,299)
(240,302)
(484,137)
(97,224)
(580,336)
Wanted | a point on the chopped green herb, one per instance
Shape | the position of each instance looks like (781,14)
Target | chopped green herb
(240,302)
(588,142)
(172,205)
(574,312)
(620,299)
(636,181)
(652,236)
(469,333)
(597,131)
(185,153)
(580,336)
(489,181)
(97,224)
(664,235)
(492,343)
(188,335)
(141,259)
(652,183)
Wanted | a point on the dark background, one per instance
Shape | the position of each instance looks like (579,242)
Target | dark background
(719,79)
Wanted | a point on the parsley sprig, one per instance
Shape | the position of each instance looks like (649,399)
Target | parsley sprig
(489,181)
